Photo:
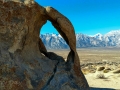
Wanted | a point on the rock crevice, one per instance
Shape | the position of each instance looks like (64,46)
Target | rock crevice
(21,50)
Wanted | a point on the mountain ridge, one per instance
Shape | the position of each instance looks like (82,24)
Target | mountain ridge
(55,41)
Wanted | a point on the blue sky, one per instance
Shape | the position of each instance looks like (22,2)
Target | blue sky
(87,16)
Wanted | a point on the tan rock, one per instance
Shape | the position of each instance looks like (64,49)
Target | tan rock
(21,49)
(107,69)
(100,68)
(86,71)
(116,71)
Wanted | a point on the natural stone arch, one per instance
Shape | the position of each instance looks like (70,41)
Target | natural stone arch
(66,29)
(21,60)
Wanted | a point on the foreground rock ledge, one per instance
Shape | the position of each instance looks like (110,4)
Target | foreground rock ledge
(22,63)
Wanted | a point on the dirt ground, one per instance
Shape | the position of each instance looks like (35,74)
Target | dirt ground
(91,58)
(93,54)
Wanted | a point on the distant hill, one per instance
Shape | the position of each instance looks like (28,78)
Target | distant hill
(55,41)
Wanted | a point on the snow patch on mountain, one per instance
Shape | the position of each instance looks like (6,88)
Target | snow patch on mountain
(55,41)
(98,36)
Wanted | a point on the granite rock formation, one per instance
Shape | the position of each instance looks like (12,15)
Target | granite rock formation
(25,63)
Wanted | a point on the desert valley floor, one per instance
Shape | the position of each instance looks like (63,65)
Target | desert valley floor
(93,54)
(101,66)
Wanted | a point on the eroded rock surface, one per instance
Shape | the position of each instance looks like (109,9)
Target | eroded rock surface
(22,63)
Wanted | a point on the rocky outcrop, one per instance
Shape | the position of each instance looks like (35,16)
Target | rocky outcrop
(25,63)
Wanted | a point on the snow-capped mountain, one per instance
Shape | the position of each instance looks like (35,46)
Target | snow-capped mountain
(98,36)
(55,41)
(88,41)
(112,38)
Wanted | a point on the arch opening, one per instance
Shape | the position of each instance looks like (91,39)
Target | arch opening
(53,41)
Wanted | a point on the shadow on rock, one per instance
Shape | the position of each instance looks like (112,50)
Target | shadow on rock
(93,88)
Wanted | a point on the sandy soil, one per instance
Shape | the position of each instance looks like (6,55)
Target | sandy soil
(91,58)
(110,81)
(102,75)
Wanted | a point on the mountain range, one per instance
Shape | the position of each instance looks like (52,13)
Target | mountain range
(55,41)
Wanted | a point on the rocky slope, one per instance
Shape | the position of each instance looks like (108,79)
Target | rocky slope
(25,63)
(55,41)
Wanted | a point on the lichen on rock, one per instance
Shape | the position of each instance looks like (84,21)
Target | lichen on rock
(22,63)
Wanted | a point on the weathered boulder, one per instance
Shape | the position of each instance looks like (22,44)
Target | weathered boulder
(22,63)
(100,68)
(116,71)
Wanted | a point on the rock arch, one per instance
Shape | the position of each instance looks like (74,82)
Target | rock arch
(21,61)
(65,28)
